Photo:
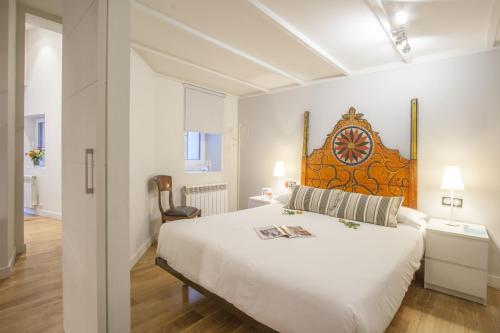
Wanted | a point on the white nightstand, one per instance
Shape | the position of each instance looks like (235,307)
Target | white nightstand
(456,259)
(258,201)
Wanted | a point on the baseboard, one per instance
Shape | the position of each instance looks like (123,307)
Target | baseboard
(5,271)
(140,252)
(494,281)
(21,249)
(44,213)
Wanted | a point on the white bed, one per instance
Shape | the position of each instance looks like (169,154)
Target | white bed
(342,280)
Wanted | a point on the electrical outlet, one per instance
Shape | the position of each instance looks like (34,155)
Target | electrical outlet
(457,202)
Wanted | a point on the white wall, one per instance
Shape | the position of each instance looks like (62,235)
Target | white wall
(157,147)
(7,135)
(459,114)
(144,213)
(43,97)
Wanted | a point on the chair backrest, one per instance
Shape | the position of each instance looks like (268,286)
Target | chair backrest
(164,183)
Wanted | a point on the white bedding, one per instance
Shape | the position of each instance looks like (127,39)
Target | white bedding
(342,280)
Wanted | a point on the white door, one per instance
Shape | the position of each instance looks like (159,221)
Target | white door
(95,288)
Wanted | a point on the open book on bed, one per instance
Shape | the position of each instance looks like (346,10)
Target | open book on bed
(274,231)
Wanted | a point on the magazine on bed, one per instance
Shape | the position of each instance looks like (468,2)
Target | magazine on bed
(274,231)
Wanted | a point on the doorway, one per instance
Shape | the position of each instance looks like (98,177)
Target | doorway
(42,118)
(94,242)
(35,276)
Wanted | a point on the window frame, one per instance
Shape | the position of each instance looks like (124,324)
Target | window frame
(36,143)
(186,147)
(196,166)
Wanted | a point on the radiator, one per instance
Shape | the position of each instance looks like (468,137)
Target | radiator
(30,191)
(212,199)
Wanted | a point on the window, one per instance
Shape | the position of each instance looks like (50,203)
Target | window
(202,152)
(40,133)
(192,146)
(203,125)
(39,141)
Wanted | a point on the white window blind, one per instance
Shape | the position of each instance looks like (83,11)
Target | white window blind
(204,110)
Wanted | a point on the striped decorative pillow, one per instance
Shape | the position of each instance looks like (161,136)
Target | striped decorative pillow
(313,199)
(368,208)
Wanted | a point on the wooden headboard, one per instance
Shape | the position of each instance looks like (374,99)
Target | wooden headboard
(354,159)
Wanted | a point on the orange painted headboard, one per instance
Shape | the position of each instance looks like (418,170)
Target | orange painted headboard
(354,159)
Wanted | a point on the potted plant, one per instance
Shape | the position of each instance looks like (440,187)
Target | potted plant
(36,154)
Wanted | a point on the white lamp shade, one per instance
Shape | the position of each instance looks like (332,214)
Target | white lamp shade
(452,179)
(279,169)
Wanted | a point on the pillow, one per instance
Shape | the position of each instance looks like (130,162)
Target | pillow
(412,217)
(283,197)
(368,208)
(313,199)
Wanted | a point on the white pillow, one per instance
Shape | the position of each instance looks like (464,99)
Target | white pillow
(411,216)
(283,197)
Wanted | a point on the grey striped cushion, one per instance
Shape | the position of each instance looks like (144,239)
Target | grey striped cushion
(313,199)
(368,208)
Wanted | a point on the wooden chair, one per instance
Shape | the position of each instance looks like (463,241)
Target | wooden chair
(164,183)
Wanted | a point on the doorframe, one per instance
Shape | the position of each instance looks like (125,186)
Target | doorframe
(114,78)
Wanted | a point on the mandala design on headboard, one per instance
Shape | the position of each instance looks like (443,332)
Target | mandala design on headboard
(352,145)
(354,159)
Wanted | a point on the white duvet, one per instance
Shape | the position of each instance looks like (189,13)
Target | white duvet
(341,280)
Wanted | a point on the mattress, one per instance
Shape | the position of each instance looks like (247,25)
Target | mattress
(341,280)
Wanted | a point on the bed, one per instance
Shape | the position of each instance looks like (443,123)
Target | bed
(341,280)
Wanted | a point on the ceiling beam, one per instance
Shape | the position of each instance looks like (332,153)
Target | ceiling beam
(162,16)
(491,33)
(141,47)
(299,36)
(379,11)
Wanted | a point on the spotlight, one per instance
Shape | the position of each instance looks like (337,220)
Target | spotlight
(406,48)
(401,17)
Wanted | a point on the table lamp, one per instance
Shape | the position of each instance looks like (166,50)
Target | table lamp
(279,171)
(452,180)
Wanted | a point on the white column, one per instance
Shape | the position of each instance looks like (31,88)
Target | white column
(7,135)
(118,175)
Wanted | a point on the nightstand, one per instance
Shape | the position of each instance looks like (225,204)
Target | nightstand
(456,259)
(258,201)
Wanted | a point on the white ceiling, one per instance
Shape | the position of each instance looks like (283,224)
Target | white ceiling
(246,47)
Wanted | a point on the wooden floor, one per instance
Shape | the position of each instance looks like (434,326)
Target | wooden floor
(31,299)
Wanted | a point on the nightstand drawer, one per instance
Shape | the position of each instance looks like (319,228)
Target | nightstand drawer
(468,252)
(459,278)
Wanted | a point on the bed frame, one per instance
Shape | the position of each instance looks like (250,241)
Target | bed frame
(354,159)
(225,304)
(360,163)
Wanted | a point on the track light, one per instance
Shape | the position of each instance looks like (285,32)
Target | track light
(406,48)
(399,36)
(401,17)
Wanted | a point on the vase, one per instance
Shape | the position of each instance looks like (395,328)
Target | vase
(36,162)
